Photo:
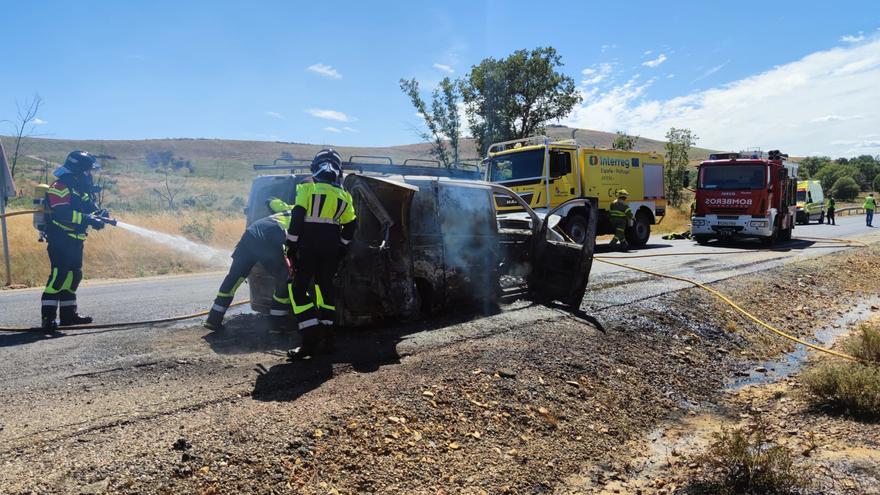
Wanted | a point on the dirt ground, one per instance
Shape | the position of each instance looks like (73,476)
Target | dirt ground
(568,404)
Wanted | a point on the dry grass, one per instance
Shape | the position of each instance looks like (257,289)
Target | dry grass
(116,253)
(746,462)
(676,220)
(850,388)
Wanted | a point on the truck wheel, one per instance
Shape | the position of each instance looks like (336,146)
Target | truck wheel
(771,239)
(701,240)
(576,227)
(638,234)
(785,235)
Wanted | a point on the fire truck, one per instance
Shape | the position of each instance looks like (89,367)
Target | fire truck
(547,173)
(746,194)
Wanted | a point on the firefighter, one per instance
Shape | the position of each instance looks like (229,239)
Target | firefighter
(869,206)
(71,211)
(321,228)
(621,217)
(829,211)
(262,242)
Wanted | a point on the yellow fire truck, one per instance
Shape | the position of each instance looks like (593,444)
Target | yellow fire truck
(547,173)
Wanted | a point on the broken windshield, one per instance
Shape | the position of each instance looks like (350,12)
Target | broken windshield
(517,166)
(732,177)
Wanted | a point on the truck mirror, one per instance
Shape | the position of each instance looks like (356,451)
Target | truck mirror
(686,178)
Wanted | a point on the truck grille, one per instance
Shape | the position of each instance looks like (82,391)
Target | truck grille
(727,211)
(728,217)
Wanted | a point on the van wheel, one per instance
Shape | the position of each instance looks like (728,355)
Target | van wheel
(576,227)
(822,217)
(638,234)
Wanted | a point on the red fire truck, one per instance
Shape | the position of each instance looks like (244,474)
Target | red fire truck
(746,194)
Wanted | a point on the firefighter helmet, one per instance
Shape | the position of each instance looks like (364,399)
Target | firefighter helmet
(80,162)
(327,155)
(622,193)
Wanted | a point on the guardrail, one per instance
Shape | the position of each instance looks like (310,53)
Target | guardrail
(852,210)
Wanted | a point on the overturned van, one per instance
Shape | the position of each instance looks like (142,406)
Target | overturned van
(426,244)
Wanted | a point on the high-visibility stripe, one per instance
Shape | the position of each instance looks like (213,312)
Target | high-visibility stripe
(218,308)
(292,238)
(308,323)
(62,226)
(285,300)
(297,310)
(231,292)
(320,299)
(67,303)
(68,283)
(319,220)
(61,193)
(50,285)
(340,209)
(278,312)
(50,302)
(326,322)
(345,241)
(76,217)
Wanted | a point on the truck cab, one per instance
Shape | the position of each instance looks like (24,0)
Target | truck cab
(546,174)
(746,194)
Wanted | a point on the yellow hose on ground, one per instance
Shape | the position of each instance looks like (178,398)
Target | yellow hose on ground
(733,305)
(126,324)
(13,213)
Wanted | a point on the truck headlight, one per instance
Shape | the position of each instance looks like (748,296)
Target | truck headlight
(698,223)
(762,224)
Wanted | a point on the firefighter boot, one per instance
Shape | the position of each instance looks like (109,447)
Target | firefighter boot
(308,347)
(47,316)
(48,325)
(326,342)
(215,320)
(69,317)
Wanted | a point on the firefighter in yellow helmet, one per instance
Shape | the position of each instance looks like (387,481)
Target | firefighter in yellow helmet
(322,226)
(621,217)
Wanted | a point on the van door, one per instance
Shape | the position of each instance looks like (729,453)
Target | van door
(561,269)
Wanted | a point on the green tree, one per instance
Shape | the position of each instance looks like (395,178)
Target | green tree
(442,120)
(812,164)
(868,167)
(625,142)
(830,173)
(678,146)
(517,96)
(876,184)
(845,188)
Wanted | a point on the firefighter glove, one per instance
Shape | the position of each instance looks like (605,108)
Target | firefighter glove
(94,222)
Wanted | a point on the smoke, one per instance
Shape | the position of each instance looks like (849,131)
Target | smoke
(201,252)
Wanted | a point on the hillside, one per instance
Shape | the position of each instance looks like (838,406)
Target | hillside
(221,172)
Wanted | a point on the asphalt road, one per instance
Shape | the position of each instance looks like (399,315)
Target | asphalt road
(161,297)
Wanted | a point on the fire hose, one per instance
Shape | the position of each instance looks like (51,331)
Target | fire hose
(13,213)
(102,326)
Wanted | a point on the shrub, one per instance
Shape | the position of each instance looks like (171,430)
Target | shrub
(851,388)
(196,229)
(845,188)
(740,462)
(876,183)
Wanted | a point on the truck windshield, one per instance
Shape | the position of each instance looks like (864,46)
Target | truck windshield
(517,166)
(732,177)
(801,196)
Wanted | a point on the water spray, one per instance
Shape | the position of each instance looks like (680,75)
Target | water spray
(202,252)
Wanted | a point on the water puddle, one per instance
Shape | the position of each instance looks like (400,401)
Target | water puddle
(791,362)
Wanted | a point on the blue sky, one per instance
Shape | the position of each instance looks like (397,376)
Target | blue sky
(770,74)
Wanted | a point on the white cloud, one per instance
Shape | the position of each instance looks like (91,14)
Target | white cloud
(597,73)
(605,48)
(350,129)
(324,70)
(655,62)
(330,115)
(853,38)
(808,105)
(444,68)
(670,76)
(710,71)
(338,130)
(274,115)
(38,121)
(332,129)
(647,52)
(834,118)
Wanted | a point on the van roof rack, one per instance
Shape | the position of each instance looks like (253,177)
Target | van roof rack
(383,165)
